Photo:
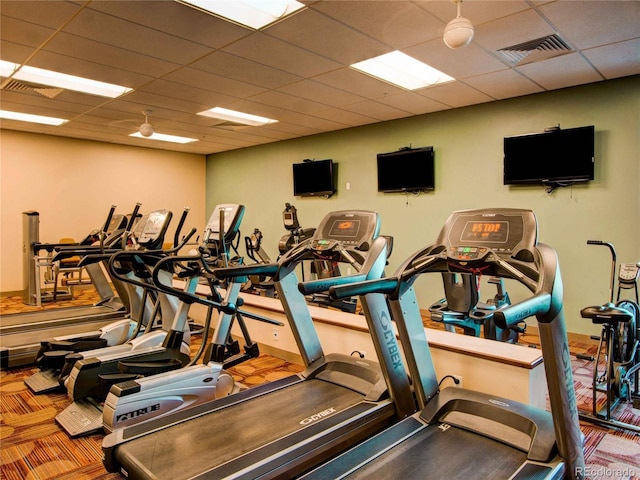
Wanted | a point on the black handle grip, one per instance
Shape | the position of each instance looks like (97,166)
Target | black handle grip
(379,285)
(112,210)
(267,269)
(517,312)
(324,284)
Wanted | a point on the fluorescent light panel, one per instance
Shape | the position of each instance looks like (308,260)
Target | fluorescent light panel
(26,117)
(165,138)
(61,80)
(254,14)
(402,70)
(238,117)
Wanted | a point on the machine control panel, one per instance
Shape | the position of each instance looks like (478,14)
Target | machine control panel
(470,235)
(349,228)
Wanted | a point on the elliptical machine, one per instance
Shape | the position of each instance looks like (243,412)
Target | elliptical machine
(618,346)
(461,308)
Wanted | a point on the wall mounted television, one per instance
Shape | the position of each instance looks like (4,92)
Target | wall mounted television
(555,157)
(406,170)
(314,178)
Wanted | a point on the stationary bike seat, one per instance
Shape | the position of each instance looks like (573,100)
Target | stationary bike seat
(609,313)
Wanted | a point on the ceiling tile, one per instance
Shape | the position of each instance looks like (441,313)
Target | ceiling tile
(455,94)
(320,34)
(282,55)
(608,22)
(357,83)
(244,70)
(504,84)
(560,72)
(318,92)
(617,60)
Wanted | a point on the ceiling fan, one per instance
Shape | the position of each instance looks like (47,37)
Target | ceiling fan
(145,128)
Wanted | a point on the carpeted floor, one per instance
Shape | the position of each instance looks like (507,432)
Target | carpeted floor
(33,447)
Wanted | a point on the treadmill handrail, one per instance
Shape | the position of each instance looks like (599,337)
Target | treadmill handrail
(384,285)
(515,313)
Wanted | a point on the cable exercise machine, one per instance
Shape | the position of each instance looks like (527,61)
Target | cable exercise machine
(616,366)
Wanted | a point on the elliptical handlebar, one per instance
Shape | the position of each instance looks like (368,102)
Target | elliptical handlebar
(385,285)
(180,294)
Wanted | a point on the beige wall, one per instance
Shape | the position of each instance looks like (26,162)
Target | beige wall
(72,184)
(468,151)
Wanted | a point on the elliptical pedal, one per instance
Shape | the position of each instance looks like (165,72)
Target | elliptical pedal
(44,381)
(82,417)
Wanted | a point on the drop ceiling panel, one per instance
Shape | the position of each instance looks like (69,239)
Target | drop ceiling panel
(244,70)
(459,64)
(80,48)
(357,83)
(617,60)
(377,110)
(560,72)
(89,69)
(262,48)
(289,102)
(213,83)
(455,94)
(22,33)
(478,11)
(345,117)
(312,90)
(398,24)
(327,37)
(514,29)
(176,19)
(504,84)
(47,14)
(121,33)
(608,22)
(413,103)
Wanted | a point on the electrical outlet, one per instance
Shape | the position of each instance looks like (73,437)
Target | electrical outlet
(459,378)
(276,334)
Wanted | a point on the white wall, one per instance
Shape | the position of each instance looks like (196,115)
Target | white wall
(72,184)
(468,150)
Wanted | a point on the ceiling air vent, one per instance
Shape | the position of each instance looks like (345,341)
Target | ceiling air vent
(233,126)
(535,50)
(18,86)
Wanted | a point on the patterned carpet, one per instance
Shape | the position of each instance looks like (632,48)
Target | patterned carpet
(33,447)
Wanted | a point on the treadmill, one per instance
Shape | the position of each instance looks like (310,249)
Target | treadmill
(289,425)
(461,433)
(20,333)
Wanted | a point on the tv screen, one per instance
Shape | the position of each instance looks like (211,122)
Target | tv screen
(407,170)
(552,157)
(313,178)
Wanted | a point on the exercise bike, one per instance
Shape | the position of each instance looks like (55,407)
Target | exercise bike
(461,308)
(618,346)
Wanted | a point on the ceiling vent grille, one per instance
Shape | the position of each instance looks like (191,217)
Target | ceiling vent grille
(18,86)
(535,50)
(232,126)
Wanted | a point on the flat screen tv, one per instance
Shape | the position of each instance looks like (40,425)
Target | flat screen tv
(406,170)
(554,157)
(314,178)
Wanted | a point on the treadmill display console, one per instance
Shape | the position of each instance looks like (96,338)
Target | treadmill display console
(472,234)
(349,228)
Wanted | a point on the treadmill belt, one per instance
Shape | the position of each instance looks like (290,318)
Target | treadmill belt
(204,443)
(434,453)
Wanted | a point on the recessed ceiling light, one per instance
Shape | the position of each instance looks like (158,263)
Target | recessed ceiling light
(26,117)
(165,138)
(254,14)
(402,70)
(238,117)
(61,80)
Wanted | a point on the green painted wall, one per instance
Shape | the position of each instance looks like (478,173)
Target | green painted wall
(468,150)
